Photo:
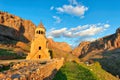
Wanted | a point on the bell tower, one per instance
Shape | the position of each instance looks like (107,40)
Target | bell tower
(39,49)
(40,30)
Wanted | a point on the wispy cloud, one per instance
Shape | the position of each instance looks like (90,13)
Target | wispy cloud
(52,7)
(58,19)
(73,9)
(79,33)
(73,2)
(56,33)
(88,30)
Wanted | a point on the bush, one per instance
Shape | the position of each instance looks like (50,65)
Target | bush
(8,54)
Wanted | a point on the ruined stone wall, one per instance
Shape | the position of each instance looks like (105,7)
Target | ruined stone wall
(32,70)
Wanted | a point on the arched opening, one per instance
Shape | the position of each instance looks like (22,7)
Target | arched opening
(39,56)
(46,44)
(42,32)
(39,32)
(39,47)
(51,53)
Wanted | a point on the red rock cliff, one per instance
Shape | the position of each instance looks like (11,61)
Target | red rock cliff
(13,27)
(106,43)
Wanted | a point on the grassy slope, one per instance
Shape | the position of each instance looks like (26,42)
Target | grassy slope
(97,69)
(9,54)
(75,71)
(109,60)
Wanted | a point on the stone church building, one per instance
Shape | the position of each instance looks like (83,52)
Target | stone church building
(39,48)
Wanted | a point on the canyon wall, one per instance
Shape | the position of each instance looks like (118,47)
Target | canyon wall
(109,42)
(15,28)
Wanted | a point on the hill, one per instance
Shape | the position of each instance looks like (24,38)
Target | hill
(80,71)
(61,49)
(15,28)
(106,50)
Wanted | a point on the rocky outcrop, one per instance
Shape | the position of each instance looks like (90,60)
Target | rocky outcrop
(80,49)
(14,28)
(106,43)
(59,45)
(59,50)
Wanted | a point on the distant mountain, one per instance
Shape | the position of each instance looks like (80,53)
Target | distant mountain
(106,43)
(105,50)
(61,49)
(59,45)
(15,28)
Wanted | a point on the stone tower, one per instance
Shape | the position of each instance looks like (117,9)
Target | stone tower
(39,48)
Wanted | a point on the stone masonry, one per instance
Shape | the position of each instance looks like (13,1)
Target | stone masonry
(39,48)
(33,70)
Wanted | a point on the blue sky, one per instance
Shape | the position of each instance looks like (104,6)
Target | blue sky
(70,21)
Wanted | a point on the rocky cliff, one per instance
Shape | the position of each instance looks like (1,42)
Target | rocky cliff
(14,28)
(105,50)
(109,42)
(60,49)
(59,45)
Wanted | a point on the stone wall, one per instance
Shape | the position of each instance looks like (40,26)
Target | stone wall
(33,70)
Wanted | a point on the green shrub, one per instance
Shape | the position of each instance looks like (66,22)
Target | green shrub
(9,54)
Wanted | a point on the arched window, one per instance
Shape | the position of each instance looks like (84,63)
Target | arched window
(39,47)
(46,44)
(36,32)
(42,32)
(39,32)
(39,56)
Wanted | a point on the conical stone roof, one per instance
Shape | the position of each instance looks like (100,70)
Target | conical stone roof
(41,25)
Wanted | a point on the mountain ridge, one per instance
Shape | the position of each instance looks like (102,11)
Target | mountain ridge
(106,43)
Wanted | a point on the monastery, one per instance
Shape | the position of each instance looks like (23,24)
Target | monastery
(39,48)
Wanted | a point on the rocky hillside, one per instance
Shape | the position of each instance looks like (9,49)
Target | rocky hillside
(59,45)
(14,28)
(61,49)
(102,44)
(105,50)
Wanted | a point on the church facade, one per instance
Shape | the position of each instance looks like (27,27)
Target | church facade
(39,48)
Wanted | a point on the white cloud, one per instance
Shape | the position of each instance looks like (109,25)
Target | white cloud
(107,25)
(79,31)
(58,19)
(74,8)
(73,2)
(77,10)
(77,34)
(79,28)
(56,33)
(92,30)
(50,37)
(52,7)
